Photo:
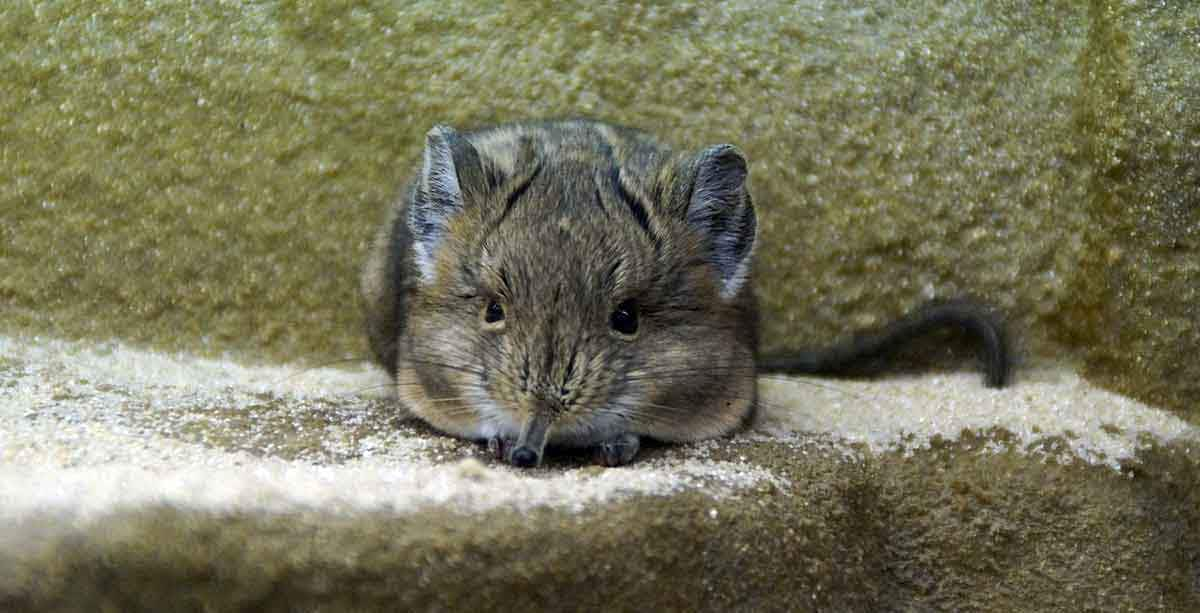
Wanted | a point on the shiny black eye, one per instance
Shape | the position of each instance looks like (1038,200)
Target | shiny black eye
(493,313)
(625,319)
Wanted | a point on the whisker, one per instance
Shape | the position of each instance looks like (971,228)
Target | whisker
(632,413)
(370,388)
(309,369)
(674,373)
(821,386)
(455,367)
(382,386)
(447,399)
(668,408)
(645,373)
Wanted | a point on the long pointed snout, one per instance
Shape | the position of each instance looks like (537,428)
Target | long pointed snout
(531,443)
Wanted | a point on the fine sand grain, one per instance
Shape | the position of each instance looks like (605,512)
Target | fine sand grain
(89,429)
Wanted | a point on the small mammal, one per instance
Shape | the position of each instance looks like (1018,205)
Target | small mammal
(577,283)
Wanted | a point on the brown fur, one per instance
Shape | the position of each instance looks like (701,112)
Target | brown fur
(547,231)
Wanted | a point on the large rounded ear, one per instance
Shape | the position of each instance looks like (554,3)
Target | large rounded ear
(719,207)
(451,166)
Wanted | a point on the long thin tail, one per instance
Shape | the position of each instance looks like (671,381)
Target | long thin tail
(986,329)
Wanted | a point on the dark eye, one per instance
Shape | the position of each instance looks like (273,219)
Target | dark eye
(625,319)
(493,313)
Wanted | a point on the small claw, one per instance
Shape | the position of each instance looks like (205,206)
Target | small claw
(498,448)
(617,451)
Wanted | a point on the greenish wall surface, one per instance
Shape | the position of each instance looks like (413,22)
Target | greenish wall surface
(1135,310)
(206,176)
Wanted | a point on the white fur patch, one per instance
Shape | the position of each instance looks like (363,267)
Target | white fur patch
(493,421)
(741,271)
(439,183)
(424,261)
(731,286)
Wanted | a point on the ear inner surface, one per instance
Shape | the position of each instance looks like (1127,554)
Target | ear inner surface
(720,208)
(451,164)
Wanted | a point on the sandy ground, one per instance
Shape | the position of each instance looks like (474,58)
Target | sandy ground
(89,428)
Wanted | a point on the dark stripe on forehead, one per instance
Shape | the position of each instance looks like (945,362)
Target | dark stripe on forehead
(516,193)
(640,215)
(600,201)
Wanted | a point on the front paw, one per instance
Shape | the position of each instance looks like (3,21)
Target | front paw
(617,451)
(500,447)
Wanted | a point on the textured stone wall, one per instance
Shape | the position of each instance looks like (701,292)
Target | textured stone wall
(205,177)
(1135,307)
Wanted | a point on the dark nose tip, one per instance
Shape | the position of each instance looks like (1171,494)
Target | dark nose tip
(524,457)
